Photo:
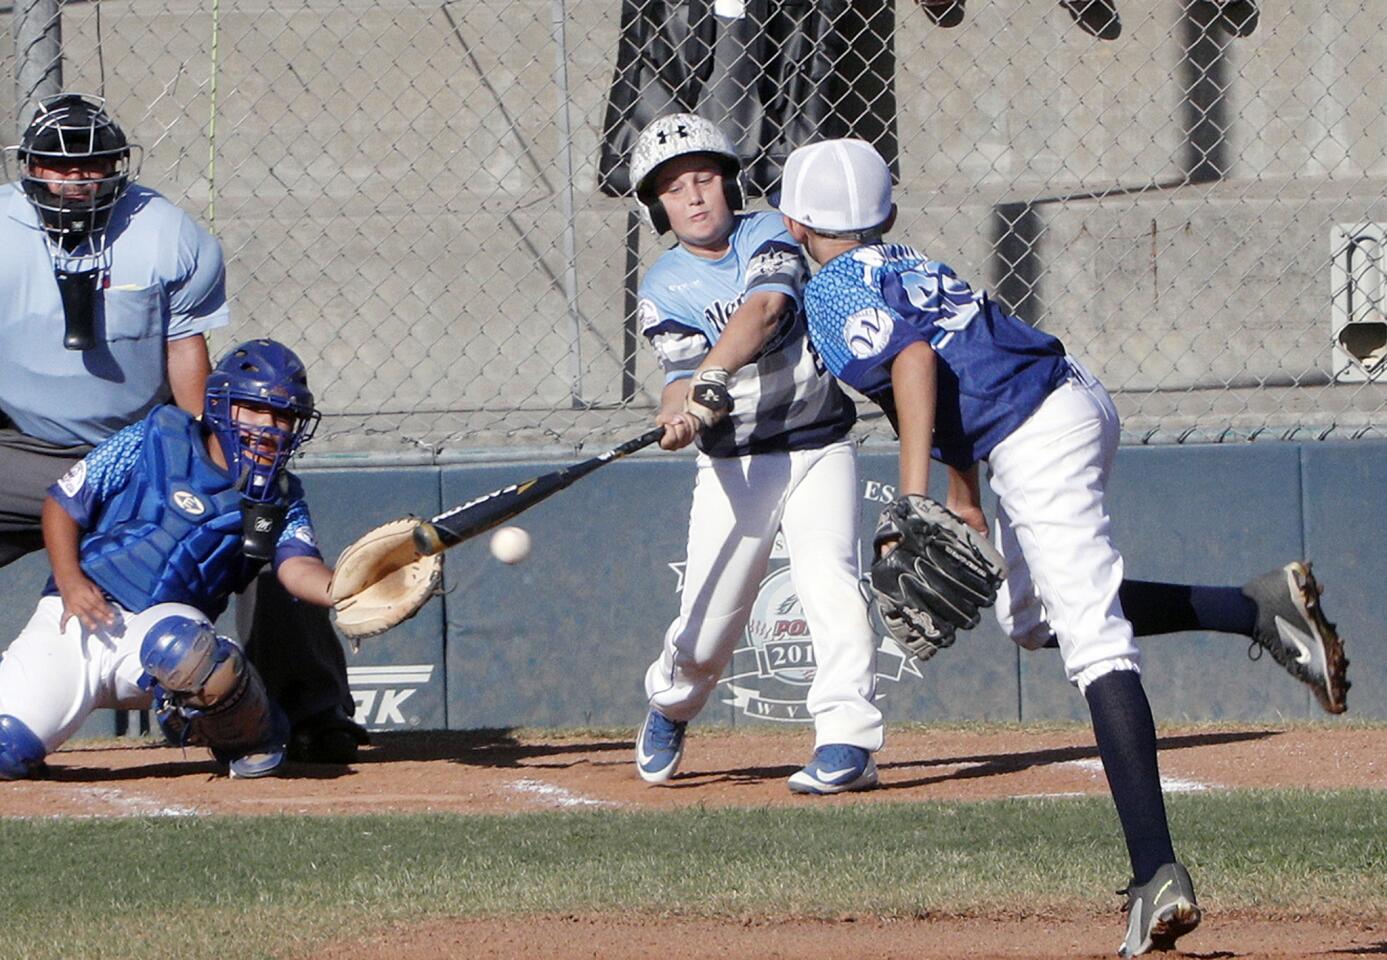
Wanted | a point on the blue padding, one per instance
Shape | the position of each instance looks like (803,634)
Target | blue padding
(20,750)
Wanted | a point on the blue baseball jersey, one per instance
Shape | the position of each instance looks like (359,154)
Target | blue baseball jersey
(994,370)
(163,279)
(110,494)
(784,400)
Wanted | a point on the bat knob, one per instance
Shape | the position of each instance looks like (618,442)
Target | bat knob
(427,541)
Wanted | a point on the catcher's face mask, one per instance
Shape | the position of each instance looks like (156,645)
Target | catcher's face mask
(260,410)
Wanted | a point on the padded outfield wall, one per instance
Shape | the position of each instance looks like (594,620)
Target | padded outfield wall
(563,638)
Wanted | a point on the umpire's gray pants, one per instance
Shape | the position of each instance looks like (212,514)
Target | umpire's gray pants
(27,468)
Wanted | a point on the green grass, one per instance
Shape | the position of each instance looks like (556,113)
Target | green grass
(273,886)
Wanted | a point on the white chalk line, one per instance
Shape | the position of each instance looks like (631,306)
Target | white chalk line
(1168,784)
(557,796)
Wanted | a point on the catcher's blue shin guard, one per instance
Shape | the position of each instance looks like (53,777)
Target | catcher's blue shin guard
(21,751)
(208,694)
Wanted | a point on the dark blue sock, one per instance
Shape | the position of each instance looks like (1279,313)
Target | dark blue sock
(1156,608)
(1126,737)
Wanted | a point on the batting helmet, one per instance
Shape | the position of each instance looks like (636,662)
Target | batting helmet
(259,373)
(74,128)
(678,135)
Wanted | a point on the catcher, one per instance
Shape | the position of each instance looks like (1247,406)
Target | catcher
(145,535)
(149,535)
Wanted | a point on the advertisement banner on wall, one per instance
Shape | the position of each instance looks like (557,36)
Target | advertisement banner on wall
(771,672)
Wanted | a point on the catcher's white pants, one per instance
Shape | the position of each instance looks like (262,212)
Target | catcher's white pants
(53,679)
(1063,570)
(738,504)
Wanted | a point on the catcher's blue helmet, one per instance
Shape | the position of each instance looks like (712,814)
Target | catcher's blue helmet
(268,375)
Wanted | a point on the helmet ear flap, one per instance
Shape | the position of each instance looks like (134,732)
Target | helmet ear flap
(733,191)
(655,216)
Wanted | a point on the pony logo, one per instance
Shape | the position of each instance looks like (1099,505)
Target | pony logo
(771,674)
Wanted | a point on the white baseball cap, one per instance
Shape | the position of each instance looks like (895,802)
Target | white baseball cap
(837,186)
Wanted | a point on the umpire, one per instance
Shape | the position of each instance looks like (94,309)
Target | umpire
(107,291)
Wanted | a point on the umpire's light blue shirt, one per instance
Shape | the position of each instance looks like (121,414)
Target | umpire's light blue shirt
(167,281)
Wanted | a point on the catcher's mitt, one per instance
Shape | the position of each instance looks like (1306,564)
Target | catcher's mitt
(381,580)
(937,579)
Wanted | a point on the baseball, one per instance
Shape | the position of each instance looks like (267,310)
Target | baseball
(510,544)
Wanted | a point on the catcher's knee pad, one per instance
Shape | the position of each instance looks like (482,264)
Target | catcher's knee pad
(208,693)
(20,749)
(180,654)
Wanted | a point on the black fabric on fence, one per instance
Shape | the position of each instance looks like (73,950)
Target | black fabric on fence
(785,73)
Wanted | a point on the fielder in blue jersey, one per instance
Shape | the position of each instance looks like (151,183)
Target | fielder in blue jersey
(149,535)
(722,311)
(966,383)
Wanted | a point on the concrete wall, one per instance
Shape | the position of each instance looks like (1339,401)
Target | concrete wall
(563,638)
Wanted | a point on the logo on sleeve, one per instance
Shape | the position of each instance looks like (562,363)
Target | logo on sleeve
(775,262)
(867,332)
(185,501)
(306,535)
(647,314)
(73,480)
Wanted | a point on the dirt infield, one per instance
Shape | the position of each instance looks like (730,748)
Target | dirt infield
(919,938)
(502,772)
(499,771)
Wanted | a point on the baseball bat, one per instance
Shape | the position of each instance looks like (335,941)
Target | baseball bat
(492,509)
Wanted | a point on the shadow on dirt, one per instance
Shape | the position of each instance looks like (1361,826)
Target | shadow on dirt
(970,766)
(495,747)
(988,765)
(196,764)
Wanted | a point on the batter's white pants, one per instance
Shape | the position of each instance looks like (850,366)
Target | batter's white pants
(1050,475)
(738,504)
(53,679)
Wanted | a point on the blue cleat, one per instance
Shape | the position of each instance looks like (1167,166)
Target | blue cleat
(659,747)
(836,768)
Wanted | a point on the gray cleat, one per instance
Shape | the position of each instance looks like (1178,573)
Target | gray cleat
(263,763)
(1159,911)
(1292,627)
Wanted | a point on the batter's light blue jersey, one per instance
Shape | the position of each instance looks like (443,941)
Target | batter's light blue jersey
(784,400)
(166,281)
(994,370)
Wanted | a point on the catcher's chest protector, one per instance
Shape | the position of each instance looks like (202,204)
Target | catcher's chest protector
(784,73)
(173,533)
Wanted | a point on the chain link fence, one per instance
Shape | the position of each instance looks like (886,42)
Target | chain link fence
(423,198)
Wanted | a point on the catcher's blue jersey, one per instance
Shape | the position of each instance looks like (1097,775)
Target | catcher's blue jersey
(161,522)
(784,400)
(994,370)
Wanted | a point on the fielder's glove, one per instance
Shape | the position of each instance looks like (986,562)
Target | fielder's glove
(381,580)
(937,579)
(708,398)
